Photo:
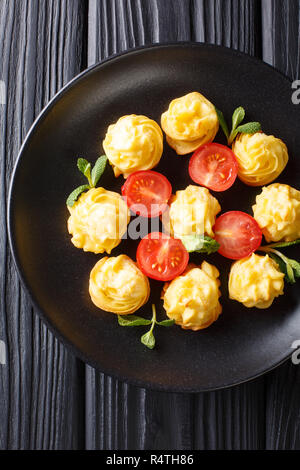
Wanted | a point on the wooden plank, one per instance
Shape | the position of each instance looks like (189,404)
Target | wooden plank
(41,406)
(230,23)
(232,419)
(281,36)
(283,408)
(118,25)
(120,416)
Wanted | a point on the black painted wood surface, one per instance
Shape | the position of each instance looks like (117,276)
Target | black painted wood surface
(41,386)
(50,399)
(281,39)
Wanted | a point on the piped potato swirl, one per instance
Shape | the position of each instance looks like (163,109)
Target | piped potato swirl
(277,212)
(98,220)
(255,281)
(189,122)
(118,286)
(192,211)
(133,143)
(192,299)
(261,158)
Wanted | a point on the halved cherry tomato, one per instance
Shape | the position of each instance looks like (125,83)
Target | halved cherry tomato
(161,257)
(238,234)
(213,166)
(147,193)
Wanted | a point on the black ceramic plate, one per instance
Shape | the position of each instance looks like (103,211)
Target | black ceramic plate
(243,343)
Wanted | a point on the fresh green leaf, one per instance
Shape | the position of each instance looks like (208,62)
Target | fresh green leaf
(283,244)
(295,266)
(210,245)
(284,265)
(237,117)
(84,166)
(200,243)
(222,122)
(98,169)
(249,128)
(75,194)
(132,320)
(290,274)
(148,339)
(165,322)
(280,262)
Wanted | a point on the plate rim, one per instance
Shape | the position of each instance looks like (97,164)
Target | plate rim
(17,263)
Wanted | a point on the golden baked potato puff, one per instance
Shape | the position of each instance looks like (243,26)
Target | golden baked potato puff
(261,158)
(277,212)
(118,286)
(255,281)
(132,144)
(189,122)
(98,220)
(192,211)
(192,299)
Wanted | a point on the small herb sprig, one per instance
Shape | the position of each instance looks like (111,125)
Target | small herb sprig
(200,244)
(237,126)
(148,338)
(290,267)
(92,175)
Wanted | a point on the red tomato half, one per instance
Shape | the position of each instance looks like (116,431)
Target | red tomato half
(213,166)
(147,193)
(238,234)
(161,257)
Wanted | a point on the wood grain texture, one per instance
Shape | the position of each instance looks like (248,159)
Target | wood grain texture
(43,400)
(281,38)
(41,406)
(120,416)
(118,25)
(230,23)
(281,35)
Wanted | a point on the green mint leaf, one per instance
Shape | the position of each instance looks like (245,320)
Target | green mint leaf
(295,266)
(132,320)
(165,322)
(210,246)
(283,244)
(98,169)
(284,267)
(232,136)
(148,340)
(279,261)
(222,122)
(249,128)
(237,117)
(290,274)
(84,166)
(200,244)
(75,194)
(82,163)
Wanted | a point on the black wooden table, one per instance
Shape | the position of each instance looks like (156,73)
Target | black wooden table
(48,398)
